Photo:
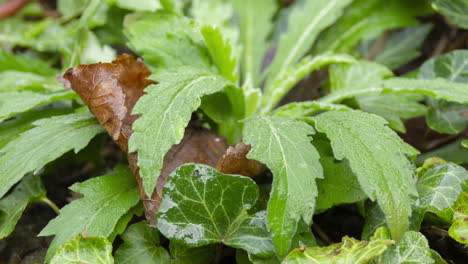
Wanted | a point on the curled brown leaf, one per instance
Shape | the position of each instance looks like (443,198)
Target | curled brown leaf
(235,161)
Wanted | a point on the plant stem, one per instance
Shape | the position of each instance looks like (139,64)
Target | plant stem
(378,46)
(323,236)
(51,204)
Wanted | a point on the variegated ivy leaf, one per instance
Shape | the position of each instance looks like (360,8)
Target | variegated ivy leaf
(201,206)
(96,250)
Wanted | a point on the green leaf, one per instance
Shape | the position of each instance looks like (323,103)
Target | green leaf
(367,19)
(401,47)
(198,208)
(459,228)
(446,117)
(456,11)
(374,219)
(139,5)
(166,40)
(48,140)
(12,103)
(255,22)
(453,152)
(413,248)
(96,250)
(221,52)
(378,157)
(440,186)
(11,81)
(349,251)
(181,254)
(29,190)
(287,79)
(284,146)
(141,245)
(307,108)
(161,126)
(339,184)
(18,62)
(106,199)
(215,13)
(306,20)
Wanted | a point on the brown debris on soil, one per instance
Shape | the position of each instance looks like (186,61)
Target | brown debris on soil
(235,161)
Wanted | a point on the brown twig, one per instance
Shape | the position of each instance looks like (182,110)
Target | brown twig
(11,7)
(378,46)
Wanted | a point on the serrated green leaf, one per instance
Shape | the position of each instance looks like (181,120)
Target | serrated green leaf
(166,40)
(284,146)
(106,199)
(221,52)
(446,117)
(17,62)
(255,22)
(48,140)
(12,103)
(216,13)
(286,80)
(306,20)
(440,186)
(29,190)
(96,250)
(401,47)
(349,251)
(339,184)
(456,11)
(181,254)
(161,126)
(141,245)
(378,157)
(459,228)
(307,108)
(367,19)
(198,208)
(413,248)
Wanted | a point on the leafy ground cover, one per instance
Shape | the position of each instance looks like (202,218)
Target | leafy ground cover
(233,131)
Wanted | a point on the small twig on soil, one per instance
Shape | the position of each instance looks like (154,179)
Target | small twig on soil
(51,204)
(321,234)
(378,46)
(441,46)
(11,7)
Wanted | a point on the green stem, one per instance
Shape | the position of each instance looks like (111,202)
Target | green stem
(51,204)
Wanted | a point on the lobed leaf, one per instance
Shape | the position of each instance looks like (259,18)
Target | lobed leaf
(201,206)
(378,158)
(48,140)
(80,249)
(141,245)
(284,146)
(349,251)
(160,126)
(29,190)
(454,10)
(106,199)
(459,228)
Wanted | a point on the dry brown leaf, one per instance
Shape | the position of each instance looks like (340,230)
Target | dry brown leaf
(235,161)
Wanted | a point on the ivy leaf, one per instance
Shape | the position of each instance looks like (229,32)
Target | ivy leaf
(96,250)
(413,248)
(221,52)
(106,199)
(366,20)
(166,40)
(401,47)
(198,208)
(440,186)
(459,228)
(255,22)
(12,103)
(455,10)
(284,146)
(181,254)
(161,126)
(141,245)
(349,251)
(306,20)
(443,116)
(378,158)
(29,190)
(48,140)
